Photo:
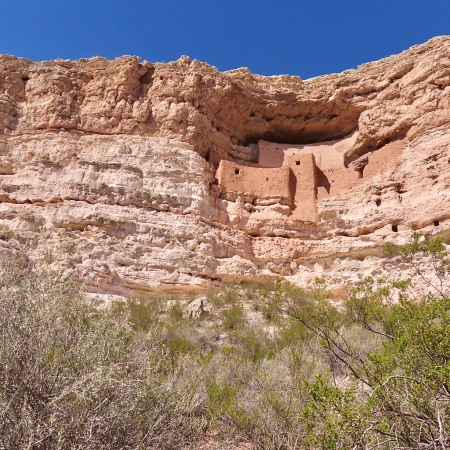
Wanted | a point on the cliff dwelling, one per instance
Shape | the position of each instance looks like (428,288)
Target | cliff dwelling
(292,175)
(306,170)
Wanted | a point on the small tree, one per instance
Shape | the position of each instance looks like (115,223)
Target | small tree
(397,392)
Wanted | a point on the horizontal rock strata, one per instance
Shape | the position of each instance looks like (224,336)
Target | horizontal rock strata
(108,169)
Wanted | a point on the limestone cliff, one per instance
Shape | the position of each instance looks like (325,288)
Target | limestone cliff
(108,169)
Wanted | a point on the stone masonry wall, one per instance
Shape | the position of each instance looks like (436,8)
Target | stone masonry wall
(255,182)
(293,184)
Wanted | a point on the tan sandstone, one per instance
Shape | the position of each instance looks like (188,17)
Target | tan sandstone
(123,173)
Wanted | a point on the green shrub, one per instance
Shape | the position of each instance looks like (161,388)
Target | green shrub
(233,318)
(371,373)
(227,296)
(397,389)
(175,313)
(142,311)
(72,376)
(389,250)
(221,398)
(254,344)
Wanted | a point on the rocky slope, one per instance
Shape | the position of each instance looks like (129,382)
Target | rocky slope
(107,168)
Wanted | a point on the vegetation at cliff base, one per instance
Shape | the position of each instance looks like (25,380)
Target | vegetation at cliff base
(269,365)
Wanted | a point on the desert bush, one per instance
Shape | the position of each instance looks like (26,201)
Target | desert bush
(256,399)
(233,317)
(142,311)
(228,295)
(175,312)
(256,345)
(389,250)
(370,373)
(72,376)
(397,391)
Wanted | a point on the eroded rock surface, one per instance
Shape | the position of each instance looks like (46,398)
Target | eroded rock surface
(109,169)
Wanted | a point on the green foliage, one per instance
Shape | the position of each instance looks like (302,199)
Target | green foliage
(233,318)
(142,311)
(389,250)
(418,253)
(227,296)
(175,312)
(72,376)
(254,344)
(372,372)
(340,418)
(221,398)
(397,394)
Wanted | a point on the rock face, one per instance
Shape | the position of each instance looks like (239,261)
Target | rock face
(195,309)
(123,173)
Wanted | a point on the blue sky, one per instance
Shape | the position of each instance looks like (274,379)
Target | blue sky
(305,38)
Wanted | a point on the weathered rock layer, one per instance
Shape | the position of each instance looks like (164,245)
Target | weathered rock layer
(108,168)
